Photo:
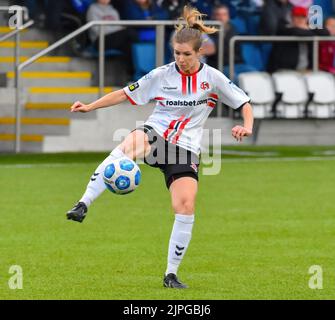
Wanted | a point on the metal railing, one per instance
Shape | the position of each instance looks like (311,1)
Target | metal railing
(15,31)
(9,9)
(22,12)
(160,49)
(315,40)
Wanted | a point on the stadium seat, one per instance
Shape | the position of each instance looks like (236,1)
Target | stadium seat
(252,56)
(240,25)
(253,24)
(239,68)
(322,87)
(294,95)
(265,49)
(259,87)
(144,57)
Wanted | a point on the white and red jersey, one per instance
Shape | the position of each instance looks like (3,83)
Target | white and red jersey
(184,101)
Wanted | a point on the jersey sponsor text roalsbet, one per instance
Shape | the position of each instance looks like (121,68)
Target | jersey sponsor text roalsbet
(184,103)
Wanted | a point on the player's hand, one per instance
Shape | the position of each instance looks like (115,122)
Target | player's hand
(238,132)
(80,107)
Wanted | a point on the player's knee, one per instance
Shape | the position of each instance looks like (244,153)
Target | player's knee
(183,205)
(128,150)
(135,145)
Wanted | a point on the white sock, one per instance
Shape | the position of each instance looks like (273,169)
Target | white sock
(96,186)
(179,240)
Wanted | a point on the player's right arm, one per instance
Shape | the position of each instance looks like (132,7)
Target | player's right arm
(108,100)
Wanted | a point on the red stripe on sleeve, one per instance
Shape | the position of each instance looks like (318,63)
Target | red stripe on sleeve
(130,99)
(194,83)
(211,104)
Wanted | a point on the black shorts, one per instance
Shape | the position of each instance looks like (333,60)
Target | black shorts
(175,162)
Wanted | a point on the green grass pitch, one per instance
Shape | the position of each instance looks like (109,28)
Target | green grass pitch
(260,224)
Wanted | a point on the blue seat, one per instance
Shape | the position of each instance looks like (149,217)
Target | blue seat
(253,24)
(266,49)
(252,56)
(240,25)
(144,58)
(81,6)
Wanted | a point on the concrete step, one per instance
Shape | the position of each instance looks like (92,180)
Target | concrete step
(47,63)
(55,110)
(44,111)
(30,34)
(65,95)
(36,126)
(37,130)
(57,104)
(42,64)
(7,95)
(29,143)
(6,29)
(27,48)
(51,78)
(57,113)
(36,121)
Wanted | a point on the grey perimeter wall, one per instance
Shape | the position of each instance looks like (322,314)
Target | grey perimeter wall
(110,125)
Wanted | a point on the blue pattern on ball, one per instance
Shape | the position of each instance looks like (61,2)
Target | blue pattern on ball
(122,182)
(109,187)
(109,171)
(137,177)
(126,165)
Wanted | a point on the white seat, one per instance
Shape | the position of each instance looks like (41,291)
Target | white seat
(322,85)
(259,87)
(292,86)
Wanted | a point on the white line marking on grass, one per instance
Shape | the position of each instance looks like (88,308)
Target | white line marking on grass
(74,164)
(285,159)
(44,165)
(324,153)
(243,153)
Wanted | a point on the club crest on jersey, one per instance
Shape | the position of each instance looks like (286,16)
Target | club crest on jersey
(204,85)
(133,86)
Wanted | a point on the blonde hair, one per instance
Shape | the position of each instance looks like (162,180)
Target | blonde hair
(194,28)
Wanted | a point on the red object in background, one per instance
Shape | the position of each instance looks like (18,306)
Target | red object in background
(299,12)
(327,56)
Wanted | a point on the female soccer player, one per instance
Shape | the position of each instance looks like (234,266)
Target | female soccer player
(186,92)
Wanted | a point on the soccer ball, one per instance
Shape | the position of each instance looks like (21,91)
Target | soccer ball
(122,176)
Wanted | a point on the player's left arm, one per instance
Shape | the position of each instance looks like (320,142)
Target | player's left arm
(234,97)
(238,132)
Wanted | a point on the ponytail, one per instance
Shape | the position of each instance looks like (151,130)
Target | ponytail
(194,28)
(193,19)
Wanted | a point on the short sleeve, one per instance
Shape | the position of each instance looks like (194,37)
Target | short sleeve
(228,93)
(145,89)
